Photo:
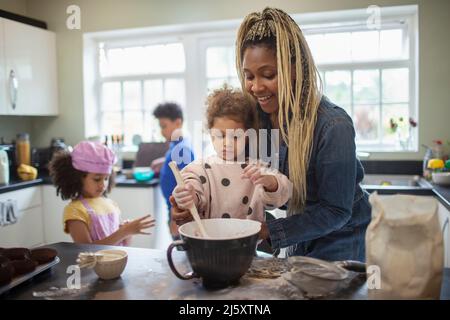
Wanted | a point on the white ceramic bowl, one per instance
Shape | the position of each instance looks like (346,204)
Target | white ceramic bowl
(111,264)
(442,178)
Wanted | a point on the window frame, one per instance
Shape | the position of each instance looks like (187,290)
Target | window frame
(196,40)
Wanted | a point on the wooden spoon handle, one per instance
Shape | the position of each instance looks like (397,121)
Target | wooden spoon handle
(193,209)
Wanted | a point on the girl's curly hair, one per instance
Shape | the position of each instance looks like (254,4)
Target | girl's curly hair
(230,103)
(67,179)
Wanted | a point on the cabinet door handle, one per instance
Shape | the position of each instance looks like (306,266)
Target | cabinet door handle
(445,225)
(13,88)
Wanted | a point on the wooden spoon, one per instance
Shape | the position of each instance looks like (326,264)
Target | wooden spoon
(193,208)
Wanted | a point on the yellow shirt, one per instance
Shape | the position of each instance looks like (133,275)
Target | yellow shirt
(75,210)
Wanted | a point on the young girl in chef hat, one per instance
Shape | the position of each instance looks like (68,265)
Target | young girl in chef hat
(85,176)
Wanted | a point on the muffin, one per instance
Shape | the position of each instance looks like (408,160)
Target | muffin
(17,253)
(6,271)
(23,266)
(43,255)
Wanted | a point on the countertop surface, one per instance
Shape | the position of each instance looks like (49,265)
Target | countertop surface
(147,276)
(441,192)
(121,181)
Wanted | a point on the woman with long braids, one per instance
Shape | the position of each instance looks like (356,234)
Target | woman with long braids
(328,213)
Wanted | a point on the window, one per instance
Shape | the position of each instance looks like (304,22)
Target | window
(371,73)
(133,80)
(221,67)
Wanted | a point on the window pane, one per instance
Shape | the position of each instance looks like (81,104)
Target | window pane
(217,61)
(153,93)
(391,43)
(132,95)
(318,47)
(174,91)
(366,86)
(152,131)
(395,85)
(136,60)
(366,118)
(166,58)
(216,83)
(112,123)
(338,47)
(111,96)
(365,45)
(175,57)
(395,123)
(338,86)
(235,83)
(133,124)
(117,61)
(347,108)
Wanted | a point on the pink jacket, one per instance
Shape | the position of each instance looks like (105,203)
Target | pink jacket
(222,193)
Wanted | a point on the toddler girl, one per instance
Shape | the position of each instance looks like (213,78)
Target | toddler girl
(221,186)
(85,176)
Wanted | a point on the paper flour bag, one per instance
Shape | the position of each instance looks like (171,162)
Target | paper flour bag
(404,244)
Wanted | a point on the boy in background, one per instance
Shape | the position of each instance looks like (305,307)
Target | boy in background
(170,117)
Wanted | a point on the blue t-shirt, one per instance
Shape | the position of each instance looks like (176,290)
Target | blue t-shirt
(181,152)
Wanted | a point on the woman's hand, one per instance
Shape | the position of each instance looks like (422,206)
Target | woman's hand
(264,232)
(180,216)
(184,196)
(137,226)
(258,174)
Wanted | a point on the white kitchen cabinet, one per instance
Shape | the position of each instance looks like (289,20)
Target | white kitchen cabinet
(28,231)
(136,202)
(2,72)
(444,220)
(53,209)
(28,70)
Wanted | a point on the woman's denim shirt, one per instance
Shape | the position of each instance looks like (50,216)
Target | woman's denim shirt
(333,178)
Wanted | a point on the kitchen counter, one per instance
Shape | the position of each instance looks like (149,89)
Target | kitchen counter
(18,185)
(147,276)
(441,192)
(121,181)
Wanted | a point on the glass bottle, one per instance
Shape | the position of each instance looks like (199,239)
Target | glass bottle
(23,150)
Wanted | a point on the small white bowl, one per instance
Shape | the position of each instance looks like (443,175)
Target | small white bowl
(111,264)
(442,178)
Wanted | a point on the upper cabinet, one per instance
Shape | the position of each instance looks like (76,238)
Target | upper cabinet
(2,71)
(28,80)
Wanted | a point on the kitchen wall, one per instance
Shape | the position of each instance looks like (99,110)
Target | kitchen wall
(99,15)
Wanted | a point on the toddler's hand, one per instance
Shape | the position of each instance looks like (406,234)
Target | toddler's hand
(138,225)
(184,196)
(126,241)
(258,174)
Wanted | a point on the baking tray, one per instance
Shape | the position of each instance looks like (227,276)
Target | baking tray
(20,279)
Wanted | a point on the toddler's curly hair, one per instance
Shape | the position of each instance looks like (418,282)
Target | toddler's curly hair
(233,104)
